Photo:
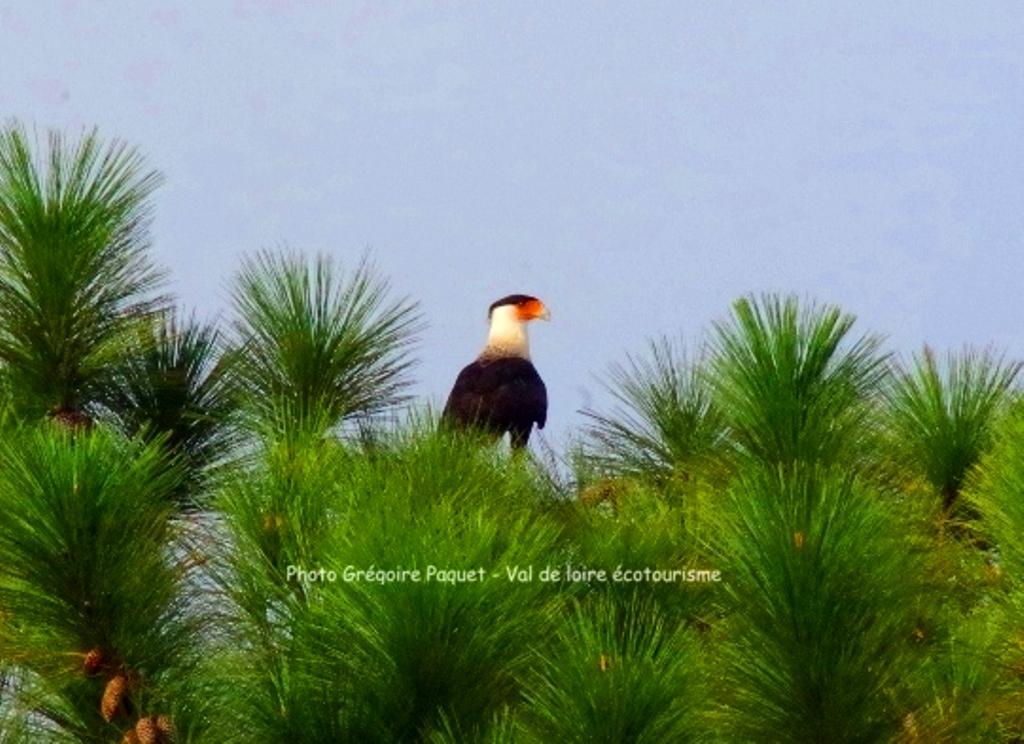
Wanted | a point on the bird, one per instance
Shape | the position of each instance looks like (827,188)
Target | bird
(501,391)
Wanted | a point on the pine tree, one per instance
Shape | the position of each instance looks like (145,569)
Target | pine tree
(75,270)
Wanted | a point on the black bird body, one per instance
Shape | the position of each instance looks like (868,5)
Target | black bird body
(499,394)
(501,391)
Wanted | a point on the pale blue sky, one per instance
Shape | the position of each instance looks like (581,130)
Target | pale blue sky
(636,165)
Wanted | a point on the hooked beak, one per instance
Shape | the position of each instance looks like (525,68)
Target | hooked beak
(533,309)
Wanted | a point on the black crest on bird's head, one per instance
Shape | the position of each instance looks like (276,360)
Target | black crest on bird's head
(512,299)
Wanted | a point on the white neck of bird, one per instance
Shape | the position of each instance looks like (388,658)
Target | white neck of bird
(507,336)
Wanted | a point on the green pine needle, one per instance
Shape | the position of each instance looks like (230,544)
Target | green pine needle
(75,268)
(313,347)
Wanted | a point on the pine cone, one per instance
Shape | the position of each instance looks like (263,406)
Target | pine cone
(166,729)
(93,662)
(130,737)
(146,731)
(154,730)
(113,696)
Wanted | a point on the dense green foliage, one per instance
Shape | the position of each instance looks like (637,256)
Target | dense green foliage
(86,537)
(819,599)
(173,385)
(75,271)
(941,416)
(664,420)
(792,384)
(785,537)
(312,347)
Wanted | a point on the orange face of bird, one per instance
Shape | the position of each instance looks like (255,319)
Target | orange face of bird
(532,309)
